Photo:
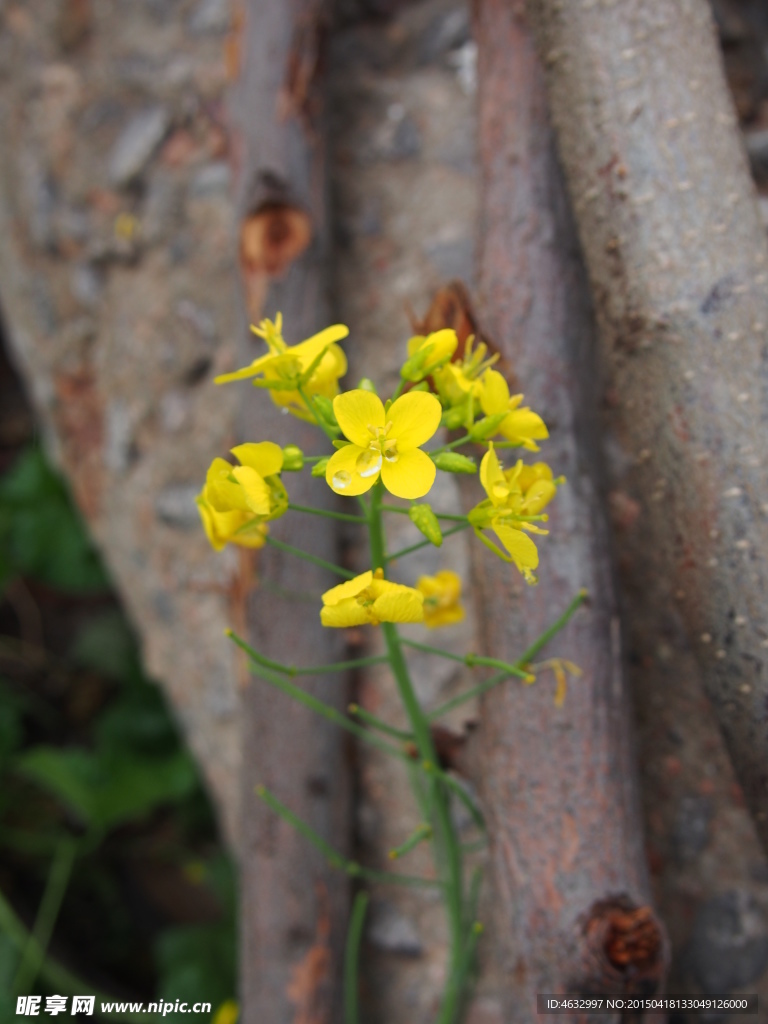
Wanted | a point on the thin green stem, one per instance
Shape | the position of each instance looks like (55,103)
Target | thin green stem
(419,835)
(533,650)
(326,711)
(424,543)
(47,915)
(54,976)
(344,517)
(352,960)
(440,515)
(333,857)
(446,844)
(470,660)
(463,796)
(451,445)
(291,550)
(376,723)
(316,670)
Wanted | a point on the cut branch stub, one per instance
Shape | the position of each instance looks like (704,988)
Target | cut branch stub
(625,948)
(273,237)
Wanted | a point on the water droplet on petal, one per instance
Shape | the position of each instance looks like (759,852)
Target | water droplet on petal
(368,463)
(341,479)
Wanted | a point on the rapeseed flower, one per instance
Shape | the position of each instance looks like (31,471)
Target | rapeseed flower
(521,426)
(384,443)
(237,501)
(369,598)
(427,353)
(313,367)
(442,599)
(459,385)
(514,497)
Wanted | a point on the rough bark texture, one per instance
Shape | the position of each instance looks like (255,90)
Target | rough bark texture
(118,288)
(677,258)
(294,905)
(559,783)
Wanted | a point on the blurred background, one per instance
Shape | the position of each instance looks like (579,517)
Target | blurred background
(119,820)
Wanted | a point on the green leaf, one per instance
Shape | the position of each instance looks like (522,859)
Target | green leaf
(107,645)
(41,534)
(197,964)
(71,776)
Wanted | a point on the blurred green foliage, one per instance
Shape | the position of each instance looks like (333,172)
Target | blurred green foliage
(115,783)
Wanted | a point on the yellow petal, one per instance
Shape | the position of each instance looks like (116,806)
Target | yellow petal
(399,604)
(492,479)
(415,418)
(538,496)
(309,350)
(347,613)
(355,412)
(494,396)
(411,476)
(349,589)
(247,371)
(524,424)
(266,457)
(520,547)
(342,472)
(256,491)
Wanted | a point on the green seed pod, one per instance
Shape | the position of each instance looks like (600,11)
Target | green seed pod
(452,462)
(425,520)
(319,467)
(293,458)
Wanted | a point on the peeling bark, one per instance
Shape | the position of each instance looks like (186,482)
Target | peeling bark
(294,906)
(558,783)
(677,258)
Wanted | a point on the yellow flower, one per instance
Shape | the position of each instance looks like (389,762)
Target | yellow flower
(314,366)
(522,426)
(384,443)
(237,501)
(369,598)
(458,384)
(426,354)
(227,1013)
(513,496)
(442,599)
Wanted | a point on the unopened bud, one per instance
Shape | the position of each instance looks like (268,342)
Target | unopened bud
(319,467)
(452,462)
(293,458)
(425,521)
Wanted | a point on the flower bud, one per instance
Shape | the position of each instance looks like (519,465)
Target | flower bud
(324,409)
(452,462)
(425,521)
(319,467)
(293,458)
(366,384)
(487,426)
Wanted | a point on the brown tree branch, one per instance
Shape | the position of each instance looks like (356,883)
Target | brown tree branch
(559,783)
(677,258)
(294,907)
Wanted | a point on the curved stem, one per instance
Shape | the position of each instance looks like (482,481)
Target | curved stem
(352,959)
(345,517)
(424,543)
(291,550)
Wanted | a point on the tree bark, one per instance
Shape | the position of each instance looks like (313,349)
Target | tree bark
(677,259)
(559,783)
(293,904)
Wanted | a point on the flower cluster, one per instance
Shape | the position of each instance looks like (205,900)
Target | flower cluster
(381,445)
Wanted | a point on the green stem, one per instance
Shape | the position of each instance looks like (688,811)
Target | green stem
(470,660)
(533,650)
(317,670)
(422,832)
(376,723)
(333,857)
(321,708)
(424,543)
(352,960)
(344,517)
(51,973)
(440,515)
(451,445)
(291,550)
(446,844)
(48,912)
